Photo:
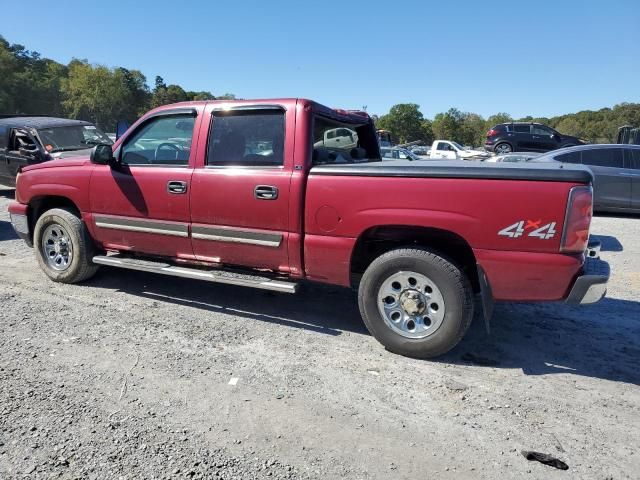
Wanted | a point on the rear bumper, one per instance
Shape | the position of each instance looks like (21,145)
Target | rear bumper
(545,277)
(20,221)
(591,285)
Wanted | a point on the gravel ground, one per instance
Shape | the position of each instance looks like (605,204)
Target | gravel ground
(132,375)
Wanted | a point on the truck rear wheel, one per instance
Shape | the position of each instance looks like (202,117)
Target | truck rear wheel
(63,247)
(415,302)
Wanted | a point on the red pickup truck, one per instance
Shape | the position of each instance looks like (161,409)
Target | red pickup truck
(269,193)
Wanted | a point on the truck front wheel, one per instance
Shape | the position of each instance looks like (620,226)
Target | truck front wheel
(63,246)
(415,302)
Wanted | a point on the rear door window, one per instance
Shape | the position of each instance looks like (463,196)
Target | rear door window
(603,157)
(247,138)
(521,128)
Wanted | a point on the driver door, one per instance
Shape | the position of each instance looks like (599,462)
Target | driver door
(142,205)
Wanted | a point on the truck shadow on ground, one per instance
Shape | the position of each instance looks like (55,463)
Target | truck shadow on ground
(318,308)
(6,231)
(608,243)
(599,341)
(7,192)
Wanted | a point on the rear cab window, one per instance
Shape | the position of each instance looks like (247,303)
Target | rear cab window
(338,142)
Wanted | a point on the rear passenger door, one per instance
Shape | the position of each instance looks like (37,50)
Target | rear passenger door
(632,167)
(240,194)
(612,184)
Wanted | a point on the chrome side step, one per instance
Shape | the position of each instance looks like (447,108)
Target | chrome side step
(229,278)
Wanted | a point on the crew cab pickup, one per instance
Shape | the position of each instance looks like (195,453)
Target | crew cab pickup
(246,193)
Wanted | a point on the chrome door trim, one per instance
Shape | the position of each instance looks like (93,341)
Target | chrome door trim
(234,235)
(143,226)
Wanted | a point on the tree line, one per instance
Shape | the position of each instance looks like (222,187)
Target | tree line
(30,84)
(407,124)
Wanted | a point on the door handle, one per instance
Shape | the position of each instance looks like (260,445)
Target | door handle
(265,192)
(176,186)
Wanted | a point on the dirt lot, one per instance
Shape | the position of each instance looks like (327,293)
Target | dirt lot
(132,375)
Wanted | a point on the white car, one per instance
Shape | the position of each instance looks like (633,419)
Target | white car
(448,150)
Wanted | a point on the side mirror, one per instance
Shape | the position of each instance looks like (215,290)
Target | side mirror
(102,154)
(121,127)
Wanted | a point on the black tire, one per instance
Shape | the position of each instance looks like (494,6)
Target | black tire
(80,266)
(503,144)
(449,279)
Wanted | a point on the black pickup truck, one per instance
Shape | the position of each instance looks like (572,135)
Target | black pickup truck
(25,140)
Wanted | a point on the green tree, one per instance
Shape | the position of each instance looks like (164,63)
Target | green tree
(494,120)
(405,122)
(448,125)
(97,94)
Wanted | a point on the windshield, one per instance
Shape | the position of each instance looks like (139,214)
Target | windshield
(72,137)
(457,145)
(337,142)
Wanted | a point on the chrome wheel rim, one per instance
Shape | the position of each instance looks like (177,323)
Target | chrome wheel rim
(411,304)
(503,149)
(57,248)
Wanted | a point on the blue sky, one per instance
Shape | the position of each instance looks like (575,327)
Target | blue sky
(541,58)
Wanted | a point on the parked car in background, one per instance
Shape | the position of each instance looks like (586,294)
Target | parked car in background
(397,153)
(343,138)
(526,137)
(28,140)
(514,157)
(448,150)
(616,170)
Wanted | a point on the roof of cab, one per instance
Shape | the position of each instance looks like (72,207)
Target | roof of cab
(349,116)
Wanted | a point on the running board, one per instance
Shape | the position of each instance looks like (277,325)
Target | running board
(229,278)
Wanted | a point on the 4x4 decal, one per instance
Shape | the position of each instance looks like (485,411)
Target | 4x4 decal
(518,229)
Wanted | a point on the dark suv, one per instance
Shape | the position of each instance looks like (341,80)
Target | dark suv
(31,139)
(526,137)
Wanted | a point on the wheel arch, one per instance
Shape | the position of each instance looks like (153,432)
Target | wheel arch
(40,204)
(378,240)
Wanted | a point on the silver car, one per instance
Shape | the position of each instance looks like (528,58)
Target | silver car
(616,171)
(513,157)
(397,153)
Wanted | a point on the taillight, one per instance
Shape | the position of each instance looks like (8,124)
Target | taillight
(575,234)
(492,132)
